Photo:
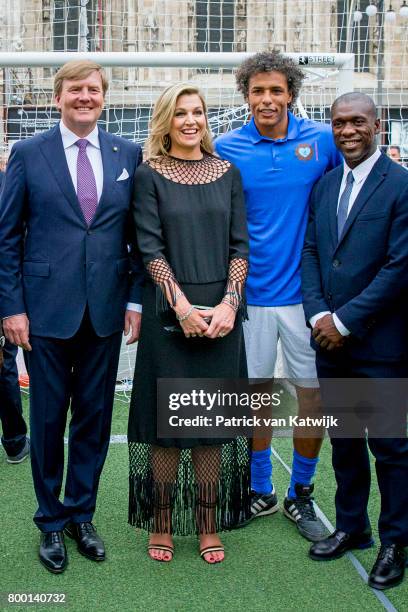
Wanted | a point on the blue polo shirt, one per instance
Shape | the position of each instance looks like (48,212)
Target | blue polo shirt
(278,176)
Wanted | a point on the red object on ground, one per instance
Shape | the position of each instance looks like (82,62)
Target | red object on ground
(24,381)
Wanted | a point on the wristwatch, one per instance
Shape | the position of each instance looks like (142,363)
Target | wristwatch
(2,341)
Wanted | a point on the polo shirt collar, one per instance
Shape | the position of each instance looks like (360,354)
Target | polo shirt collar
(292,134)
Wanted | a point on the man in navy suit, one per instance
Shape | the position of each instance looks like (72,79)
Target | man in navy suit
(68,288)
(354,283)
(14,438)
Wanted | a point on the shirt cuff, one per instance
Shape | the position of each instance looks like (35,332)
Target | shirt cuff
(134,307)
(313,320)
(340,327)
(16,315)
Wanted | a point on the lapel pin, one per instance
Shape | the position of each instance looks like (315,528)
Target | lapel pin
(115,149)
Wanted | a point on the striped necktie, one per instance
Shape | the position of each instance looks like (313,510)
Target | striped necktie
(86,184)
(342,211)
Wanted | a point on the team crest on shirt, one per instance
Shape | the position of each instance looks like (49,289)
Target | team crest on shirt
(304,152)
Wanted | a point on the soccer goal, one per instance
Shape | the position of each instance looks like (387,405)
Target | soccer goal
(136,80)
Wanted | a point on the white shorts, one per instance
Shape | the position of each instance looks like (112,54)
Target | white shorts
(268,324)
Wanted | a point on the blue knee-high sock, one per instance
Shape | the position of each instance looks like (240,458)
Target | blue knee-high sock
(261,471)
(303,470)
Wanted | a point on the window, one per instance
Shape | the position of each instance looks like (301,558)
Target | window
(215,25)
(67,27)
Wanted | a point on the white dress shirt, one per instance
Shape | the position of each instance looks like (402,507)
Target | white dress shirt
(93,151)
(360,174)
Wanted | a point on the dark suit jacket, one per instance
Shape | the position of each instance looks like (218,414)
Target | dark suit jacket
(363,278)
(1,329)
(51,263)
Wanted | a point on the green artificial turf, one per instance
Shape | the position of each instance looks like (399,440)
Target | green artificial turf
(266,566)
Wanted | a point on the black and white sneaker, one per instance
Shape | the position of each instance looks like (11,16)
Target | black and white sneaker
(263,504)
(301,511)
(23,454)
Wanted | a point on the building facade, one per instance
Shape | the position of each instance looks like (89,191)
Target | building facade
(302,26)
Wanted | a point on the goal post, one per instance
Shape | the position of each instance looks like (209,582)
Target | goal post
(137,78)
(165,59)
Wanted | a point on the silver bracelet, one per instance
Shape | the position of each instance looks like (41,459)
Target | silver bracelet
(230,304)
(233,293)
(185,316)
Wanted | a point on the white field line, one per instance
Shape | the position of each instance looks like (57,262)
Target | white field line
(356,563)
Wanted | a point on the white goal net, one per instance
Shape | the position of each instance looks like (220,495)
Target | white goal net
(375,31)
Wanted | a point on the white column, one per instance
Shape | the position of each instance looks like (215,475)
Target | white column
(83,27)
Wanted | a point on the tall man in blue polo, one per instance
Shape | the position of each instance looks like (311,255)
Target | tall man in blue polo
(280,158)
(66,290)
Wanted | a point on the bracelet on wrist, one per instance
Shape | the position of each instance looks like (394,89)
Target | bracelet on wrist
(234,294)
(185,316)
(230,304)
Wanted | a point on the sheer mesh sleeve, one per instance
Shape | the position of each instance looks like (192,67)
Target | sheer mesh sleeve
(235,289)
(163,276)
(150,238)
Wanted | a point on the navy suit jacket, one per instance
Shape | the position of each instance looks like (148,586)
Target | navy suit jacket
(363,278)
(51,263)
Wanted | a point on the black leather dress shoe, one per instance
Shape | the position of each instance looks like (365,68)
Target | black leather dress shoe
(389,568)
(338,543)
(89,543)
(53,554)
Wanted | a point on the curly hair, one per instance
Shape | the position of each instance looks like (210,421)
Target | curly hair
(270,61)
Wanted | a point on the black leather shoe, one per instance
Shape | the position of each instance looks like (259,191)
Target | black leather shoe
(389,568)
(338,543)
(89,543)
(53,554)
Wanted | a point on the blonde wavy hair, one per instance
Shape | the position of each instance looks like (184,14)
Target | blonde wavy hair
(158,142)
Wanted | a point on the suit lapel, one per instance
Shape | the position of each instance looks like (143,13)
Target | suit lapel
(372,182)
(333,200)
(53,151)
(110,152)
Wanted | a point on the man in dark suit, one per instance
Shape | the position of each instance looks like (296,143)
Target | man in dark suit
(14,438)
(68,288)
(354,283)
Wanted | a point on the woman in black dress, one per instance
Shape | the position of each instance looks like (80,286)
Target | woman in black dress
(191,230)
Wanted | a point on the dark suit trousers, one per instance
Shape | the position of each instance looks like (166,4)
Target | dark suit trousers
(351,460)
(79,373)
(11,412)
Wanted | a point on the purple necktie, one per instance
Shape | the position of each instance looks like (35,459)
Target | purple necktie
(86,184)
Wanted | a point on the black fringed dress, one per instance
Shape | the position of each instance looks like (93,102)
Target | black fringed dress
(191,231)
